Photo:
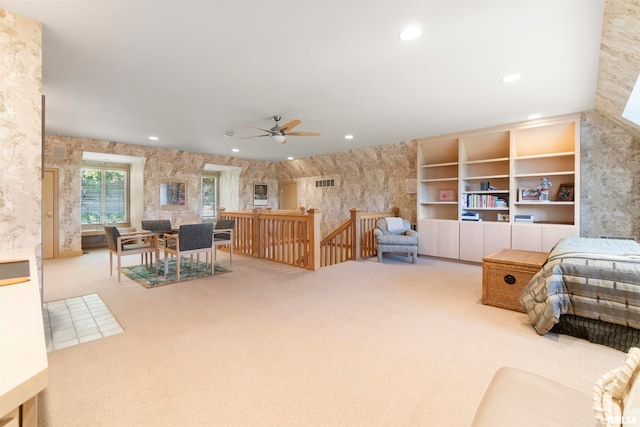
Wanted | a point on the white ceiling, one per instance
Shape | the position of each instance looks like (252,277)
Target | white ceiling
(188,71)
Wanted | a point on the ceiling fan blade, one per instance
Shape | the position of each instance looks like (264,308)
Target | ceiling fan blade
(304,133)
(263,130)
(289,126)
(255,136)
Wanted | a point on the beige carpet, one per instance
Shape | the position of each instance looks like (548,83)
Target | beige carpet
(358,344)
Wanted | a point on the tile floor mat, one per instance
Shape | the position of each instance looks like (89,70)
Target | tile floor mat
(77,320)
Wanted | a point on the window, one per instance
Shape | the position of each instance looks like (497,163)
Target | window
(208,196)
(104,194)
(632,110)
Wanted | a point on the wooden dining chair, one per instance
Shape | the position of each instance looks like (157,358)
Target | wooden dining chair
(130,244)
(189,240)
(223,236)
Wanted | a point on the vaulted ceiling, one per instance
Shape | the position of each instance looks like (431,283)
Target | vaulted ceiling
(190,71)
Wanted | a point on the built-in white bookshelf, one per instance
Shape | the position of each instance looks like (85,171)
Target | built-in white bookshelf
(473,186)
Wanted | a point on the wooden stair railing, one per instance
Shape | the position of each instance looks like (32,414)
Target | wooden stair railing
(289,237)
(337,247)
(353,239)
(292,237)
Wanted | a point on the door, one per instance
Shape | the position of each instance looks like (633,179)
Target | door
(49,213)
(289,195)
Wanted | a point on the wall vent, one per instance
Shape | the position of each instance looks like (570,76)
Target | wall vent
(618,237)
(59,152)
(321,183)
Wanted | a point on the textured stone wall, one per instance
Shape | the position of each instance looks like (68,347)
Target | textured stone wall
(610,179)
(372,179)
(20,132)
(619,60)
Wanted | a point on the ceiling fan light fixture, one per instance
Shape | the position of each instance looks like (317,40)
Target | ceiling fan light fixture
(279,139)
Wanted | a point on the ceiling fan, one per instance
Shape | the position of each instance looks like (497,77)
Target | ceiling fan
(279,133)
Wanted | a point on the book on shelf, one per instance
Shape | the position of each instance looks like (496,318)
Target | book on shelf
(474,200)
(470,216)
(524,218)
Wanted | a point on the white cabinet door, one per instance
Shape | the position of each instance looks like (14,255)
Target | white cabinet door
(449,238)
(439,237)
(471,241)
(497,235)
(526,237)
(552,233)
(428,237)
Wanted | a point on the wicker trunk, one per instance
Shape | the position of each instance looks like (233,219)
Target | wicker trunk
(506,273)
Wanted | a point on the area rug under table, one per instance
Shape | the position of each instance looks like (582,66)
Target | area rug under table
(146,276)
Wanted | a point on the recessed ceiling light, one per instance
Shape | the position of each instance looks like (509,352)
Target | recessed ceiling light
(228,133)
(411,32)
(289,158)
(235,150)
(534,116)
(511,78)
(154,138)
(348,136)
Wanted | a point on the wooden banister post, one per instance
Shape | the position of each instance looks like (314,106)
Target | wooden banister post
(356,235)
(314,239)
(396,211)
(220,212)
(256,239)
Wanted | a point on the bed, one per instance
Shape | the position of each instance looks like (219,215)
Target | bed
(588,288)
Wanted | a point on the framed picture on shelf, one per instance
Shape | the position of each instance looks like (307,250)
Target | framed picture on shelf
(527,194)
(565,193)
(447,195)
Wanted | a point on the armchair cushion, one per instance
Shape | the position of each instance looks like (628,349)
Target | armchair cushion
(397,239)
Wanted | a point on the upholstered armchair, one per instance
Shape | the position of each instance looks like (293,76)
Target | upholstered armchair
(189,240)
(394,235)
(129,244)
(223,236)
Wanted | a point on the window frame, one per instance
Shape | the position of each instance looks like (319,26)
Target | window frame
(104,167)
(216,193)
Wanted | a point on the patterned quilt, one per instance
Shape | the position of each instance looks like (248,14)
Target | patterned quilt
(590,278)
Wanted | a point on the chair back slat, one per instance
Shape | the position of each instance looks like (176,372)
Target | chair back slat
(223,224)
(156,225)
(195,236)
(112,234)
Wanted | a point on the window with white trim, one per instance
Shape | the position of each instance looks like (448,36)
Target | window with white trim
(104,194)
(208,196)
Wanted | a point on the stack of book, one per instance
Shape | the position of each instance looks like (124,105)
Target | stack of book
(470,216)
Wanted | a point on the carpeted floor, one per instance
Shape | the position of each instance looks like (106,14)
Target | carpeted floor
(147,277)
(357,344)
